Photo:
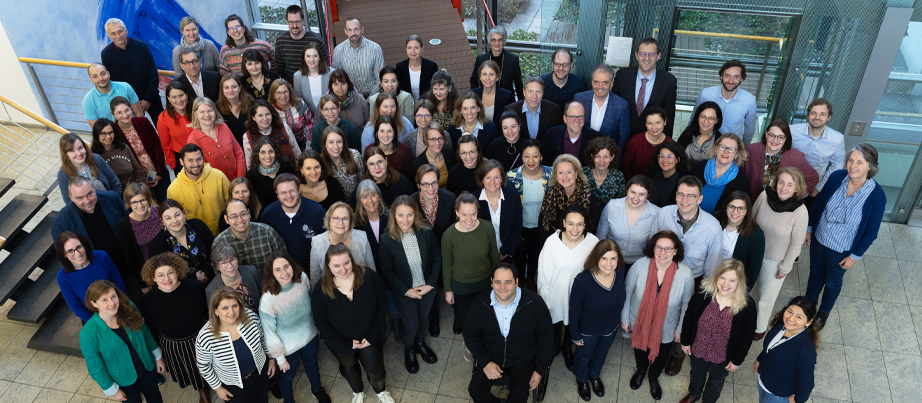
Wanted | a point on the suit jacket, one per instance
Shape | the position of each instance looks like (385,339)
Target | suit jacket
(617,123)
(511,73)
(548,118)
(553,142)
(395,268)
(428,70)
(663,95)
(444,213)
(510,218)
(68,219)
(503,99)
(211,82)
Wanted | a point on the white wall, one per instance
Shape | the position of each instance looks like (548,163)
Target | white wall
(15,84)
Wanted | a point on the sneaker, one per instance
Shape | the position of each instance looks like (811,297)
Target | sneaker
(385,397)
(359,397)
(160,379)
(467,355)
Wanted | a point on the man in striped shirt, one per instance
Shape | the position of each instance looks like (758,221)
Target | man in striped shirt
(289,45)
(361,58)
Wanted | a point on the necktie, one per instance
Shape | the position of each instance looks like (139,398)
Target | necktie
(640,95)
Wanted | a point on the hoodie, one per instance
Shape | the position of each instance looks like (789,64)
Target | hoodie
(203,199)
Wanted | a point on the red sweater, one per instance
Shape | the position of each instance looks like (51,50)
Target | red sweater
(638,155)
(224,154)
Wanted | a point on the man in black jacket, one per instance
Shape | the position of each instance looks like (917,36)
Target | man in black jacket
(509,333)
(202,83)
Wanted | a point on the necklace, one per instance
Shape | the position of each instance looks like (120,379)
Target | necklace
(511,149)
(525,175)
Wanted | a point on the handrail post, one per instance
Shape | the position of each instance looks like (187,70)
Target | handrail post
(41,92)
(768,53)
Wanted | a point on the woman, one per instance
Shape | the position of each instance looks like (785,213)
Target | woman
(218,145)
(117,156)
(398,155)
(601,158)
(443,95)
(462,177)
(141,136)
(844,221)
(776,147)
(175,309)
(530,181)
(234,105)
(313,79)
(349,309)
(266,164)
(508,148)
(469,118)
(257,78)
(81,267)
(173,123)
(697,140)
(244,279)
(339,230)
(716,330)
(386,104)
(315,183)
(500,207)
(120,352)
(435,204)
(293,111)
(230,350)
(389,83)
(629,221)
(597,291)
(371,216)
(639,151)
(78,159)
(415,73)
(347,169)
(352,104)
(411,260)
(562,258)
(781,213)
(189,239)
(423,110)
(469,254)
(669,165)
(495,99)
(329,109)
(288,324)
(508,62)
(239,40)
(190,40)
(654,323)
(265,122)
(568,186)
(391,182)
(136,231)
(742,240)
(722,173)
(436,152)
(788,358)
(242,189)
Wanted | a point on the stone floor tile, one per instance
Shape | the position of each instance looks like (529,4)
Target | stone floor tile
(912,281)
(744,375)
(831,374)
(412,396)
(78,398)
(744,393)
(429,376)
(457,373)
(832,332)
(906,241)
(888,280)
(19,393)
(903,373)
(449,399)
(171,392)
(327,362)
(89,387)
(4,385)
(916,312)
(855,282)
(615,356)
(40,369)
(8,330)
(856,315)
(883,245)
(867,375)
(16,356)
(561,385)
(69,376)
(55,396)
(397,374)
(894,322)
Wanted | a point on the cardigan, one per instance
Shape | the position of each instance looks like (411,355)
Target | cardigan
(558,266)
(302,87)
(106,176)
(784,232)
(389,192)
(871,213)
(591,301)
(73,285)
(428,69)
(223,153)
(401,159)
(202,242)
(530,338)
(177,314)
(128,241)
(151,142)
(250,277)
(204,198)
(361,252)
(395,267)
(217,358)
(108,359)
(70,217)
(287,320)
(463,257)
(751,250)
(740,182)
(613,225)
(788,368)
(342,320)
(501,100)
(373,242)
(444,213)
(755,167)
(510,218)
(741,329)
(499,148)
(679,294)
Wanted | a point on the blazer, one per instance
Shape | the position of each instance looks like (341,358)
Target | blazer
(663,95)
(444,213)
(741,329)
(679,294)
(106,176)
(751,250)
(68,219)
(553,143)
(502,99)
(216,357)
(211,83)
(129,244)
(108,359)
(788,369)
(511,73)
(755,167)
(617,123)
(395,268)
(484,136)
(429,68)
(740,182)
(302,87)
(340,320)
(549,117)
(872,212)
(510,218)
(370,234)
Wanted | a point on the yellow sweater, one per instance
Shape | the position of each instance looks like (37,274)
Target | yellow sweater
(203,199)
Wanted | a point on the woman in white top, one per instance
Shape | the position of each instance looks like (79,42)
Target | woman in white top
(561,259)
(312,80)
(386,103)
(390,83)
(338,223)
(629,220)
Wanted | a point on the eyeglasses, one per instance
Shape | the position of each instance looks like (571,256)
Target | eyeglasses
(296,22)
(234,28)
(711,119)
(667,249)
(235,217)
(684,196)
(423,116)
(378,164)
(330,110)
(429,185)
(340,220)
(577,117)
(70,252)
(727,149)
(775,136)
(665,156)
(738,209)
(138,202)
(436,140)
(562,64)
(190,62)
(645,54)
(467,153)
(576,224)
(161,276)
(228,263)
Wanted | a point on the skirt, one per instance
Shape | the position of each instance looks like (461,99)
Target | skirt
(180,361)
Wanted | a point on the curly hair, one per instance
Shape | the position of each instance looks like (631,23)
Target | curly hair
(169,259)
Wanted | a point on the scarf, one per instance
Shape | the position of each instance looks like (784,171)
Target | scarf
(710,174)
(430,214)
(88,175)
(781,206)
(346,103)
(556,201)
(198,47)
(648,330)
(271,170)
(772,163)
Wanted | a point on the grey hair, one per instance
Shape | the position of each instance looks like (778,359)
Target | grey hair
(186,21)
(221,252)
(534,79)
(111,21)
(606,69)
(498,30)
(869,153)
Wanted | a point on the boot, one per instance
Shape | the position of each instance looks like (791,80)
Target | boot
(425,352)
(637,379)
(674,366)
(204,395)
(409,360)
(655,390)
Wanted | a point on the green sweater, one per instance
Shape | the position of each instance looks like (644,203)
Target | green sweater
(469,257)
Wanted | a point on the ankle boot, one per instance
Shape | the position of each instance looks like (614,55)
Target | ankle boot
(425,352)
(410,360)
(204,395)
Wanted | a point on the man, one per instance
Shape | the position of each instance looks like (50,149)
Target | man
(570,137)
(645,85)
(201,189)
(203,83)
(130,60)
(535,113)
(823,145)
(510,72)
(700,232)
(606,113)
(295,218)
(96,102)
(509,334)
(253,240)
(737,105)
(560,85)
(361,58)
(289,45)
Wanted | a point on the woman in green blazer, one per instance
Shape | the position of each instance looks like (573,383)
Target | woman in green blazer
(742,240)
(121,354)
(411,260)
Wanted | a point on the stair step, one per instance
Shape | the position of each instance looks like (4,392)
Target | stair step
(31,250)
(17,213)
(40,296)
(60,333)
(5,185)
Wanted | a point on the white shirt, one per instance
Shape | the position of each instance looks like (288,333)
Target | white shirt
(199,91)
(598,113)
(316,90)
(495,215)
(414,83)
(729,242)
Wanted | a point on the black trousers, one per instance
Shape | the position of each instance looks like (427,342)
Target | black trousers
(715,374)
(517,378)
(371,358)
(526,255)
(655,369)
(562,338)
(462,305)
(415,316)
(145,385)
(255,388)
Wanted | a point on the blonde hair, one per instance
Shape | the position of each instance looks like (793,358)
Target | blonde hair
(329,215)
(577,168)
(741,154)
(709,285)
(200,101)
(800,185)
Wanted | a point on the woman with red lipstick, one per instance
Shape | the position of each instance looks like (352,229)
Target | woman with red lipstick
(530,181)
(776,148)
(723,173)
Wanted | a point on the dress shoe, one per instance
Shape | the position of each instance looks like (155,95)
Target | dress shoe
(758,336)
(655,390)
(597,387)
(637,379)
(434,329)
(425,352)
(409,360)
(321,395)
(674,366)
(689,399)
(567,356)
(275,389)
(583,389)
(160,379)
(457,328)
(820,322)
(204,395)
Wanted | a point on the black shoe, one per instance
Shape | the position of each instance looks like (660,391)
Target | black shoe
(820,322)
(425,353)
(160,379)
(567,357)
(409,360)
(457,328)
(276,392)
(597,387)
(655,390)
(434,329)
(637,379)
(583,389)
(321,396)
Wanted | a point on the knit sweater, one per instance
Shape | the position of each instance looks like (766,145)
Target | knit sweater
(558,265)
(232,57)
(784,232)
(134,65)
(288,52)
(287,320)
(73,285)
(469,257)
(591,305)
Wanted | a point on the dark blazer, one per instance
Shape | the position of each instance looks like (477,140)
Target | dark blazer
(420,160)
(530,339)
(429,69)
(484,136)
(211,82)
(751,250)
(553,143)
(741,329)
(68,219)
(340,320)
(617,123)
(788,369)
(396,269)
(741,182)
(510,218)
(502,99)
(549,117)
(372,241)
(663,95)
(511,73)
(444,213)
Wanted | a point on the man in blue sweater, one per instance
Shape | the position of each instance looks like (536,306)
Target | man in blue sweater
(295,218)
(130,60)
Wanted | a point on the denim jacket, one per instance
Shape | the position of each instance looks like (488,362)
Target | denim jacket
(515,179)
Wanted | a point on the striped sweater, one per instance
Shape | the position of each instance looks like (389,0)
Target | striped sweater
(232,57)
(287,320)
(216,359)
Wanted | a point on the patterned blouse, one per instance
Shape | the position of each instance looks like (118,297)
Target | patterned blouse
(301,125)
(444,119)
(146,230)
(411,249)
(139,151)
(772,162)
(347,181)
(612,187)
(713,333)
(194,257)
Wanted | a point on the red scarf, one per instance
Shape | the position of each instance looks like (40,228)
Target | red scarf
(648,330)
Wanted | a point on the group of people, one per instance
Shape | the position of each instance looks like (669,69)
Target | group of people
(550,214)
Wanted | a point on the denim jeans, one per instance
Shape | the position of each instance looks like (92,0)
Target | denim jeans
(825,275)
(767,397)
(308,355)
(590,357)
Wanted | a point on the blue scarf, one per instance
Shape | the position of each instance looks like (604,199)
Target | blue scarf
(710,173)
